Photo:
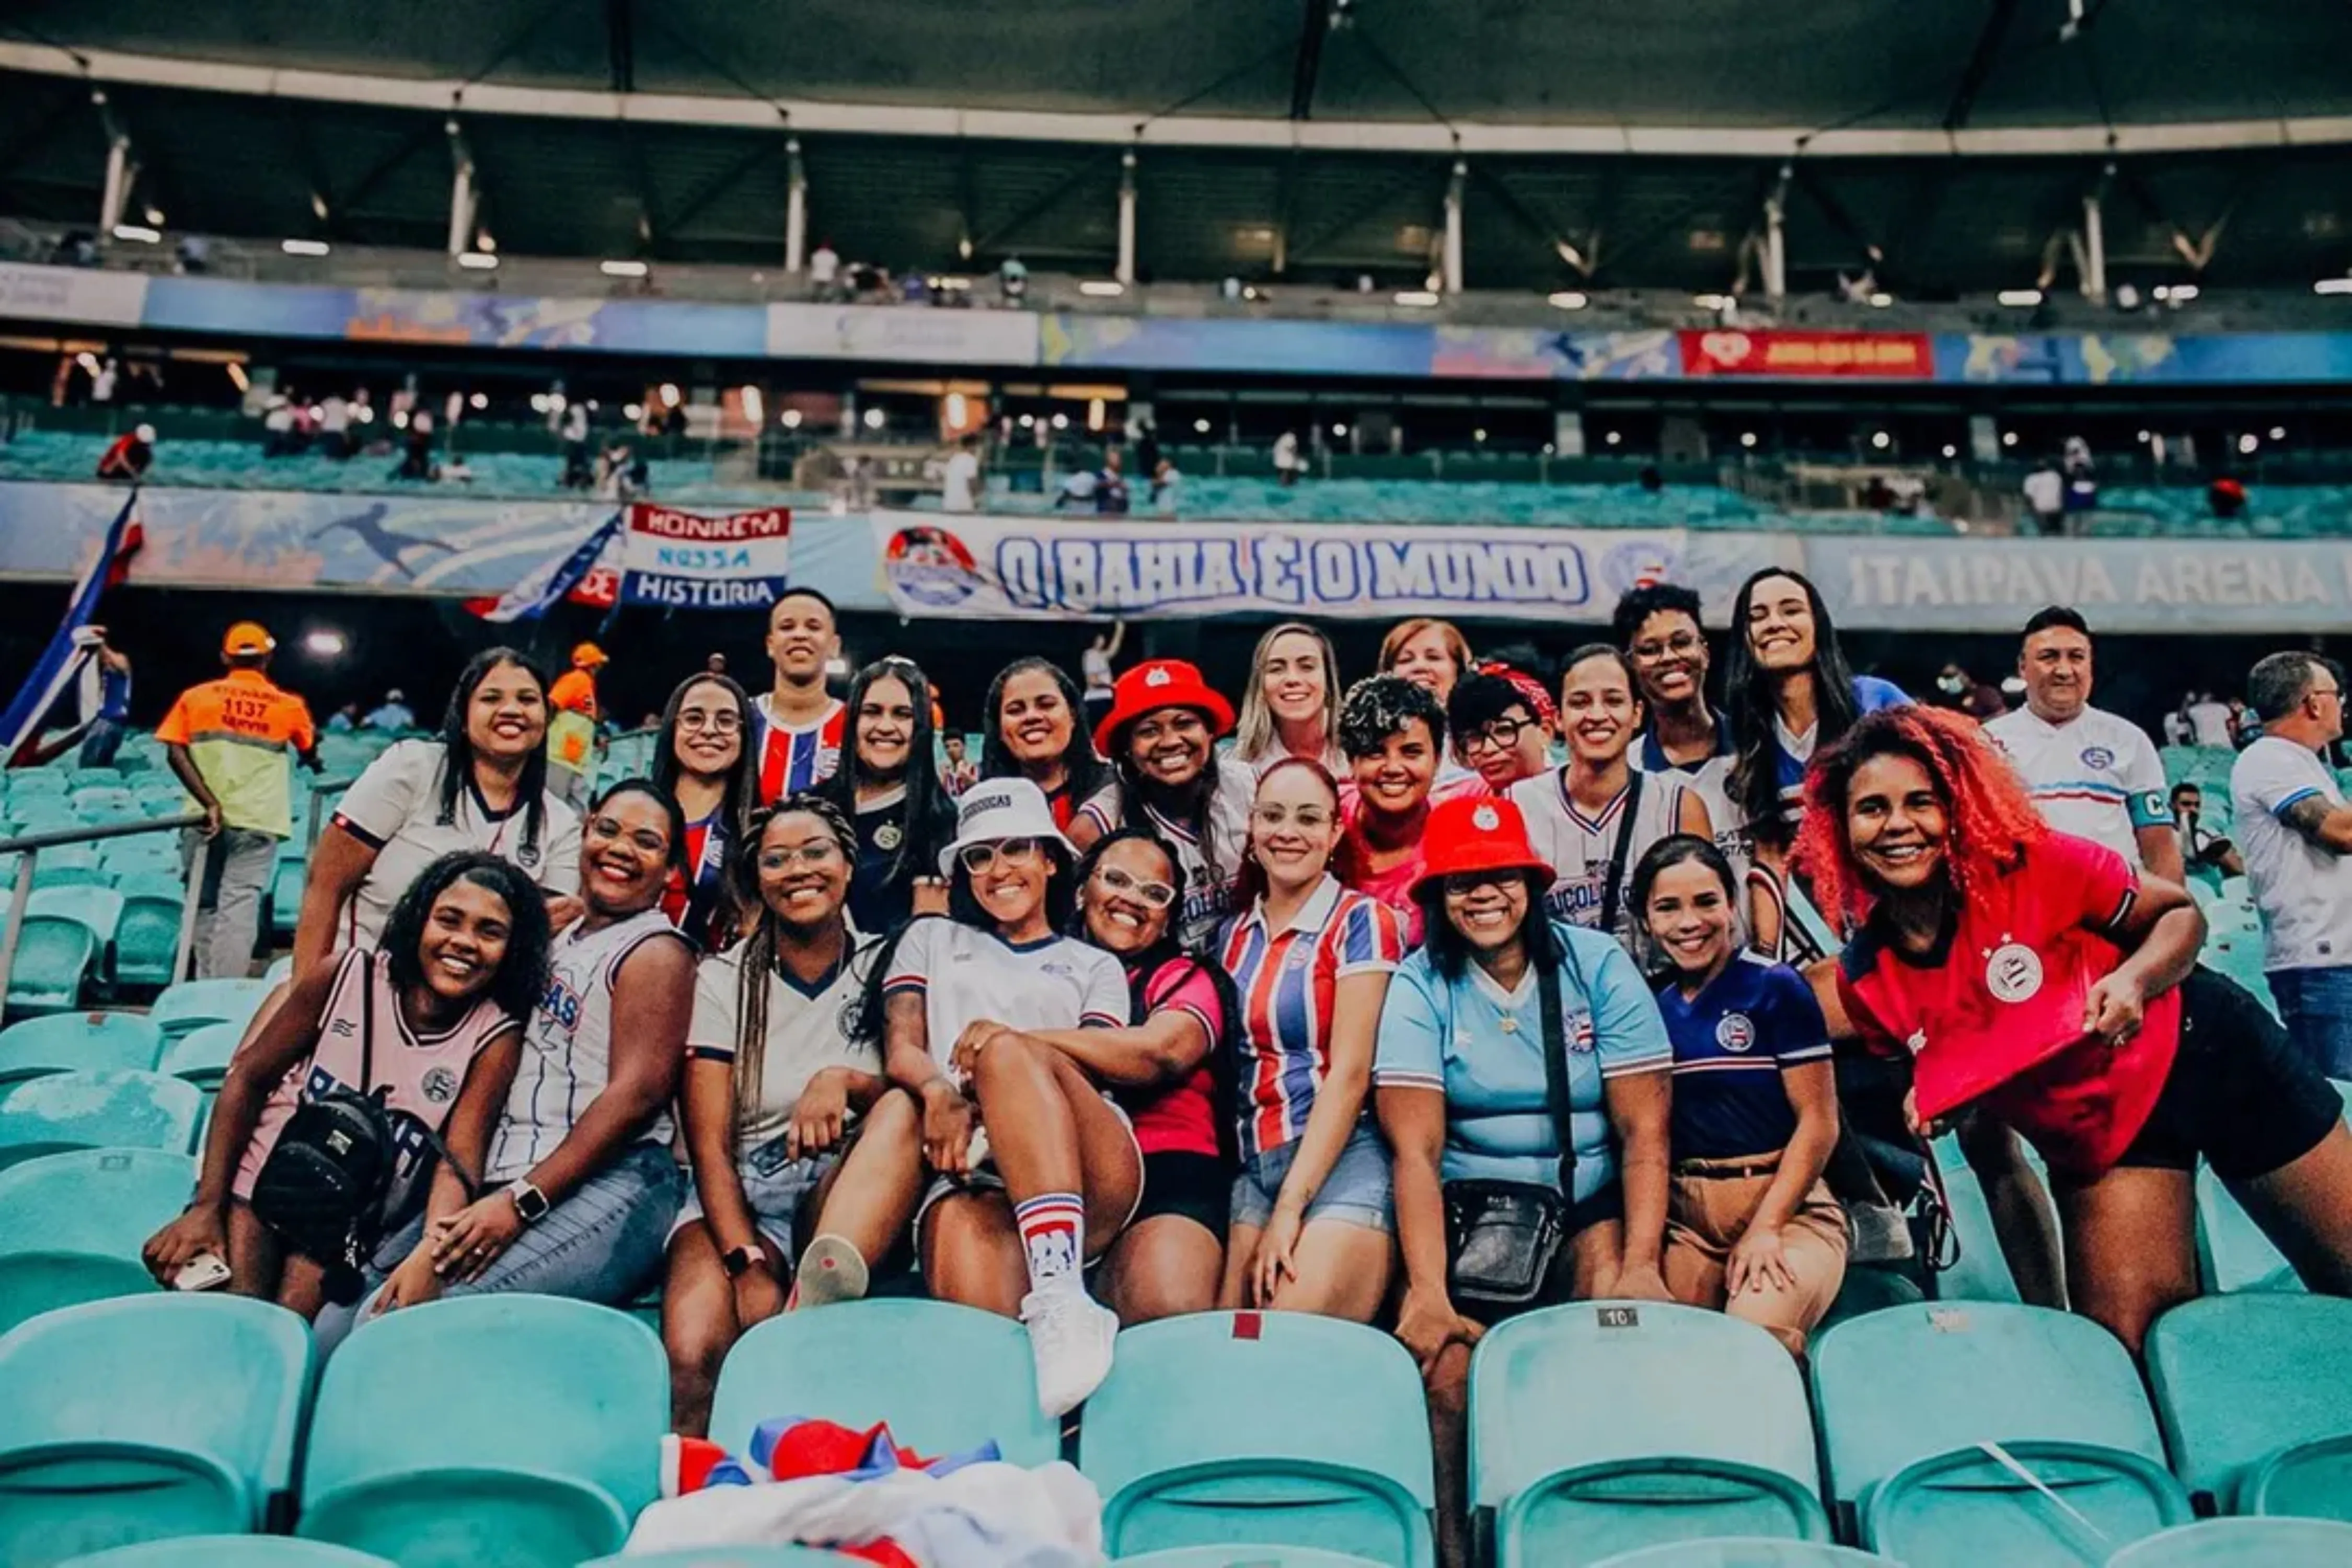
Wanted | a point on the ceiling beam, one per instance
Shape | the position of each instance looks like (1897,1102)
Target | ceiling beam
(620,44)
(1982,61)
(1307,62)
(1052,197)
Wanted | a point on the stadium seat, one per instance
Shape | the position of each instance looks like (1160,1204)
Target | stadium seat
(2250,1420)
(78,1042)
(281,970)
(232,1552)
(1923,1411)
(1981,1274)
(521,1430)
(146,1419)
(54,958)
(1748,1551)
(2233,1253)
(201,1055)
(2242,1543)
(1236,1428)
(147,943)
(99,909)
(70,865)
(1245,1557)
(71,1226)
(285,897)
(1601,1427)
(59,1111)
(192,1004)
(946,1378)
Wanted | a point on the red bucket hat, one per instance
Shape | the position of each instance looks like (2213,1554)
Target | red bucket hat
(1156,684)
(1477,833)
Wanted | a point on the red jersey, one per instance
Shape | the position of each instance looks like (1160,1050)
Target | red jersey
(1999,1003)
(791,760)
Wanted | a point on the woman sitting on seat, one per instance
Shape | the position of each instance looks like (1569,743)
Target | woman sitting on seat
(435,1020)
(703,758)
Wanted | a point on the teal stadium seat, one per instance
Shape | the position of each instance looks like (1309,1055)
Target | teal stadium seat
(98,910)
(2255,1394)
(147,943)
(111,1109)
(201,1055)
(145,1419)
(1600,1427)
(1245,1557)
(2242,1543)
(946,1378)
(232,1552)
(1280,1429)
(71,1226)
(56,959)
(2233,1253)
(192,1004)
(1907,1400)
(519,1430)
(285,897)
(78,1042)
(1749,1552)
(70,866)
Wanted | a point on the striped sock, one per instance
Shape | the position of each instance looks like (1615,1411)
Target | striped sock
(1053,1225)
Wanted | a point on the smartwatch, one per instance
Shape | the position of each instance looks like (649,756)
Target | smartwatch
(531,1203)
(737,1260)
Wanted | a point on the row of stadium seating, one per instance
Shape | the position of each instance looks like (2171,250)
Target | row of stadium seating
(465,1432)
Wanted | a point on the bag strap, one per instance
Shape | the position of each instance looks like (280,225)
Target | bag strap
(1555,1049)
(432,1141)
(1613,890)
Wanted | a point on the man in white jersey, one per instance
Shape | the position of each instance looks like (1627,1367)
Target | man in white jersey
(2294,831)
(797,723)
(2091,774)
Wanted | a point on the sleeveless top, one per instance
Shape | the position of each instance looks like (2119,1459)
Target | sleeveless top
(423,1072)
(567,1045)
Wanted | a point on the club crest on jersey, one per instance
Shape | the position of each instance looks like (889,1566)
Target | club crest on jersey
(2013,972)
(887,836)
(1917,1042)
(1734,1032)
(440,1086)
(527,855)
(2096,757)
(1580,1032)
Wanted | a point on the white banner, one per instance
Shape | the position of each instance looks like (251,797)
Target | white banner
(915,333)
(34,293)
(1046,567)
(681,561)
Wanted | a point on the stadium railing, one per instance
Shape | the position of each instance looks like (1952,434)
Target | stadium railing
(27,848)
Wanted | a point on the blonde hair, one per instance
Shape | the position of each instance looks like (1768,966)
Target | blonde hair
(1255,738)
(1405,632)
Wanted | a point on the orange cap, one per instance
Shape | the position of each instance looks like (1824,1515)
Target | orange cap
(246,638)
(588,656)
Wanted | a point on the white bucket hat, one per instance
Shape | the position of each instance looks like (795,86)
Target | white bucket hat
(996,809)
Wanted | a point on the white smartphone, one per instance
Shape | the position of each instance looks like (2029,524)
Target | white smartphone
(204,1271)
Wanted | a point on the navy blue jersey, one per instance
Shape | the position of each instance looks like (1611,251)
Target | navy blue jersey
(1731,1042)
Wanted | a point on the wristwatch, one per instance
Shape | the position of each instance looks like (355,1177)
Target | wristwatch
(737,1260)
(531,1203)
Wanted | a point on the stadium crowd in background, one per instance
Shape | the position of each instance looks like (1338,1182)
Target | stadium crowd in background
(1503,989)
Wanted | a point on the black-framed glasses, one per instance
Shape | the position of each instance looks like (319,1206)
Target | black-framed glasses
(1462,884)
(1502,735)
(1682,645)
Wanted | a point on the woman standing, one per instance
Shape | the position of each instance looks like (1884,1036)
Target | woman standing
(1035,1169)
(1310,963)
(888,787)
(2036,977)
(1432,653)
(1507,1026)
(1034,732)
(702,760)
(1291,708)
(1593,819)
(1161,734)
(1393,733)
(775,1085)
(1752,1228)
(1502,721)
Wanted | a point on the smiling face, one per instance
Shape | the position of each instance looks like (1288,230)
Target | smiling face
(1514,746)
(1009,878)
(1896,823)
(802,639)
(2056,665)
(1486,909)
(886,727)
(709,740)
(804,870)
(465,941)
(1669,654)
(1293,827)
(506,718)
(1424,659)
(1128,896)
(1396,778)
(624,854)
(1034,719)
(1169,746)
(1779,629)
(1294,677)
(1689,917)
(1598,712)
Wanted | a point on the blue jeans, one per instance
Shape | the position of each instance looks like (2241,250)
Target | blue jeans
(2315,1006)
(1359,1191)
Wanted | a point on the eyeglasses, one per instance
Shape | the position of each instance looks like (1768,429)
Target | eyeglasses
(978,858)
(1502,735)
(1159,895)
(819,853)
(723,722)
(1682,645)
(1313,818)
(1462,884)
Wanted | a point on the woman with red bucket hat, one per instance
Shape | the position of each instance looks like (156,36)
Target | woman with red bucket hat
(1521,1080)
(1161,737)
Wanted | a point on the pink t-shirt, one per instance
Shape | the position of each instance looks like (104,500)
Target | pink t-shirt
(1182,1118)
(422,1072)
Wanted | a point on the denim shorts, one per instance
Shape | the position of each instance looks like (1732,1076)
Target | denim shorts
(774,1188)
(1360,1190)
(2315,1006)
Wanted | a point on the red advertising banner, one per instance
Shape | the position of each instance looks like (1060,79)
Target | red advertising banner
(1886,356)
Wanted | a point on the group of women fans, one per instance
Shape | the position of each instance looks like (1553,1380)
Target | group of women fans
(1356,999)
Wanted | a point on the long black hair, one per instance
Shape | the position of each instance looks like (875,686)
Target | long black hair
(521,979)
(1673,850)
(743,792)
(927,817)
(757,954)
(1752,693)
(457,745)
(963,908)
(1082,765)
(1450,954)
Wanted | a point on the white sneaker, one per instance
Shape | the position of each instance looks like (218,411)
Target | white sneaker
(830,1270)
(1071,1335)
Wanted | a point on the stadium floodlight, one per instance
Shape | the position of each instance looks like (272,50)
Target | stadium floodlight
(138,231)
(1881,441)
(1420,299)
(1200,426)
(1951,450)
(2019,299)
(755,407)
(1061,421)
(303,246)
(1339,431)
(875,417)
(1712,302)
(1479,433)
(1880,300)
(1102,287)
(479,401)
(325,644)
(622,268)
(2278,432)
(478,261)
(669,394)
(790,418)
(2333,286)
(1566,299)
(2179,293)
(2247,444)
(1747,437)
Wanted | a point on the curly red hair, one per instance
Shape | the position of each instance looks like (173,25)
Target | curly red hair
(1992,819)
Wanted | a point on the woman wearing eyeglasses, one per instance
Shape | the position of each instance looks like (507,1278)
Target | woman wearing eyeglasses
(1501,721)
(1035,1170)
(701,760)
(887,786)
(1311,962)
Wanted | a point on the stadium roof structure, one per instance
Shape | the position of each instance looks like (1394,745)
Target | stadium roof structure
(1941,148)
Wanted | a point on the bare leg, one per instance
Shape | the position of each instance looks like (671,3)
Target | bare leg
(1163,1266)
(1343,1271)
(2022,1218)
(971,1253)
(1241,1253)
(256,1259)
(2306,1208)
(1595,1254)
(870,1197)
(1050,1131)
(302,1287)
(1447,1385)
(2131,1246)
(699,1327)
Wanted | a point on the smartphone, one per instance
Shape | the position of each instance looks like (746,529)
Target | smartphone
(204,1271)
